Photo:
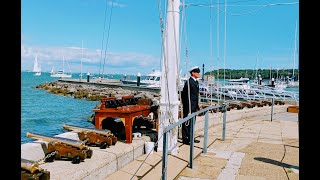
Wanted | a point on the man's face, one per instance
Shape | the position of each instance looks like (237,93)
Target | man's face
(196,74)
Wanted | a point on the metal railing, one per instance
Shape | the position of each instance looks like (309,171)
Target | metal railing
(223,109)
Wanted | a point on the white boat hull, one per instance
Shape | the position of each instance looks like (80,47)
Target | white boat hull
(61,75)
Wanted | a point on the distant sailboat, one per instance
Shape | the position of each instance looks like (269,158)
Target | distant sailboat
(60,73)
(36,67)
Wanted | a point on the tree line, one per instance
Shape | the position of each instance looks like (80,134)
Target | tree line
(251,73)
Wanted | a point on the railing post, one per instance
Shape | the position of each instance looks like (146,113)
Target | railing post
(224,123)
(205,141)
(191,141)
(164,156)
(272,102)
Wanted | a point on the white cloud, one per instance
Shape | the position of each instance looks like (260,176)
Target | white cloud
(116,62)
(116,4)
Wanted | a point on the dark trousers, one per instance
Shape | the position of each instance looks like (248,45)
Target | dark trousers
(186,129)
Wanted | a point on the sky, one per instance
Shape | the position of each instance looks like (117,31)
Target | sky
(124,36)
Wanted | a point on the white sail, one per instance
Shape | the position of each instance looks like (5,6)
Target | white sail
(36,67)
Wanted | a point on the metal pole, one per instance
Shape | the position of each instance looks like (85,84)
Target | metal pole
(138,79)
(191,141)
(205,143)
(272,102)
(202,72)
(224,123)
(164,156)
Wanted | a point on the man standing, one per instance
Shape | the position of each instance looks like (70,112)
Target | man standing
(190,97)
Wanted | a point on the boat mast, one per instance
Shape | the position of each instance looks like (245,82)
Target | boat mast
(81,60)
(63,64)
(35,64)
(256,68)
(294,52)
(169,102)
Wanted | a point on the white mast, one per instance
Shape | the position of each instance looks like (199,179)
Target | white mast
(294,51)
(169,96)
(81,60)
(63,64)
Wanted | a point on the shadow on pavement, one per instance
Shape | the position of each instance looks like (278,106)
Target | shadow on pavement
(278,163)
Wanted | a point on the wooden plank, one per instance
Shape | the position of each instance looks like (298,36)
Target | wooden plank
(293,109)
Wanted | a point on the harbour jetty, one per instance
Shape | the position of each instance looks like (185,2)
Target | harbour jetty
(253,148)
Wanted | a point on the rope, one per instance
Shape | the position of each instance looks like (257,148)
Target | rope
(218,47)
(104,28)
(105,52)
(155,144)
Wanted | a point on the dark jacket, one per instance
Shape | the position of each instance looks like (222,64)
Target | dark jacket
(194,96)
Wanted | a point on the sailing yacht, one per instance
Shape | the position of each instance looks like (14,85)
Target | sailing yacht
(60,73)
(36,67)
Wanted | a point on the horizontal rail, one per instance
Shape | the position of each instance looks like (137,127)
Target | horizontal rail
(182,120)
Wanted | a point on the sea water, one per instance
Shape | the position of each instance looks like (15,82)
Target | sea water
(46,113)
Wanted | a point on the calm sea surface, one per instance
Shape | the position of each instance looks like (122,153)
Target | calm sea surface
(45,113)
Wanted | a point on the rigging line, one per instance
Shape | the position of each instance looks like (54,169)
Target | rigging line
(188,77)
(161,33)
(104,28)
(234,2)
(155,144)
(247,5)
(218,47)
(163,47)
(177,48)
(185,40)
(180,46)
(175,42)
(250,12)
(225,46)
(105,52)
(181,27)
(211,41)
(185,45)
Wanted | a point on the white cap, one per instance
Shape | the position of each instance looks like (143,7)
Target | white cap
(193,68)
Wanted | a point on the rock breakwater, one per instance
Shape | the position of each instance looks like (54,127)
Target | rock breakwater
(94,93)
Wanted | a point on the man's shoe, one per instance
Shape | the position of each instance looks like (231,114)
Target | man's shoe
(186,143)
(196,141)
